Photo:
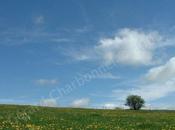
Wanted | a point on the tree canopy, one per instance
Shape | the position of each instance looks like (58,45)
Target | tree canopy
(135,102)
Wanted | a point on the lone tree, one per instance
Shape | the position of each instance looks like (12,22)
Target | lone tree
(135,102)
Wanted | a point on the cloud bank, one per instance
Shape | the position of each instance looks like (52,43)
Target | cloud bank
(162,72)
(159,82)
(83,102)
(50,102)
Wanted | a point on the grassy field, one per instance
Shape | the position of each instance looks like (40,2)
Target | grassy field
(40,118)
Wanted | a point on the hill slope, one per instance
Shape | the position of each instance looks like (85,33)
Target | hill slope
(41,118)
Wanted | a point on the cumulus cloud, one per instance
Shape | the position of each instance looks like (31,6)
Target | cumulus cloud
(156,90)
(163,72)
(149,92)
(46,81)
(162,83)
(83,102)
(129,46)
(50,102)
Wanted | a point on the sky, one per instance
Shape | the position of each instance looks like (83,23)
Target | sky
(79,53)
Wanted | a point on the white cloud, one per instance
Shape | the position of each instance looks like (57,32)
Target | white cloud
(129,46)
(113,105)
(47,81)
(163,72)
(155,91)
(81,57)
(107,75)
(48,102)
(84,102)
(109,106)
(39,19)
(149,92)
(162,83)
(61,40)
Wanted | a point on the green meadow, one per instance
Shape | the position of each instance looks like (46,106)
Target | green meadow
(44,118)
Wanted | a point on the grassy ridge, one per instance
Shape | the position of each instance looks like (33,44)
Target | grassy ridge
(40,118)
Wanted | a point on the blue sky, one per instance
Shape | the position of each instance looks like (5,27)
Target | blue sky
(46,45)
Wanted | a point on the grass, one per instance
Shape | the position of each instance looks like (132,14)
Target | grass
(41,118)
